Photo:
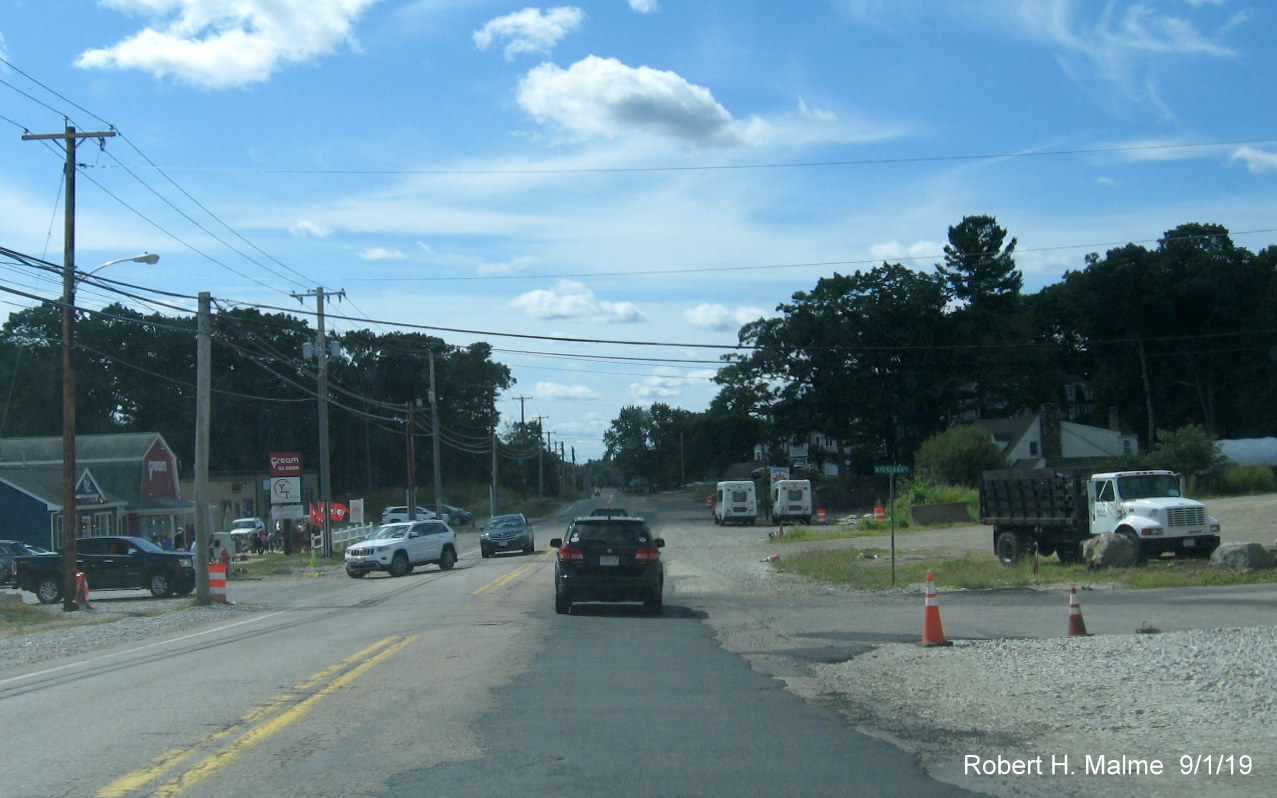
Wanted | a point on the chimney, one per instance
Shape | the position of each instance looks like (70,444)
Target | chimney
(1052,432)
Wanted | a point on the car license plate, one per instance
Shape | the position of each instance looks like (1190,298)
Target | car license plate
(504,543)
(1190,543)
(609,559)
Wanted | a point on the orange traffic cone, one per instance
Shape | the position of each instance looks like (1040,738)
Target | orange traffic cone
(1077,626)
(82,589)
(932,630)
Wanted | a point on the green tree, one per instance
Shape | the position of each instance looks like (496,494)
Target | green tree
(1189,450)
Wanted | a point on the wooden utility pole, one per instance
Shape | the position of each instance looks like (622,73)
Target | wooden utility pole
(203,395)
(70,514)
(434,441)
(321,354)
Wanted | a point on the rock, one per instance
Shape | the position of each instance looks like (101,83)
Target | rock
(1108,550)
(1242,556)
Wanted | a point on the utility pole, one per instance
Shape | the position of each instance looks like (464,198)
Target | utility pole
(540,463)
(70,512)
(321,354)
(522,399)
(203,394)
(434,441)
(410,445)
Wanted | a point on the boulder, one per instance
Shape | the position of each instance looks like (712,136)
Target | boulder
(1109,550)
(1242,556)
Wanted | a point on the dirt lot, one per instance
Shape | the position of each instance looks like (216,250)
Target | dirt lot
(1242,519)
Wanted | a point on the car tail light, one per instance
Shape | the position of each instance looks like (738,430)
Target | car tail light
(571,554)
(650,554)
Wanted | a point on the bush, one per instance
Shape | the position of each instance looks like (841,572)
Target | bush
(957,456)
(1246,480)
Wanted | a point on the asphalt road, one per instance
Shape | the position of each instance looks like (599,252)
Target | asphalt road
(467,683)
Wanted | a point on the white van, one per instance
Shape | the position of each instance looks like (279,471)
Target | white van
(791,501)
(735,502)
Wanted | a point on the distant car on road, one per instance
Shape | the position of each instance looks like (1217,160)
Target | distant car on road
(608,512)
(455,516)
(505,533)
(399,547)
(608,559)
(398,513)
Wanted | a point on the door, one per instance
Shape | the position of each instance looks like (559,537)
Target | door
(1104,516)
(425,542)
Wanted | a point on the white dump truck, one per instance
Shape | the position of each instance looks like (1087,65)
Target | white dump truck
(1057,510)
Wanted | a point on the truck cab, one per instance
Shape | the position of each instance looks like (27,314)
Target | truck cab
(1149,508)
(790,501)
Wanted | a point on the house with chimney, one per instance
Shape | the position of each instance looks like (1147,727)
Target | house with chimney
(1044,439)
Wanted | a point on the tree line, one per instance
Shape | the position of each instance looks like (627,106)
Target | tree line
(1182,333)
(136,373)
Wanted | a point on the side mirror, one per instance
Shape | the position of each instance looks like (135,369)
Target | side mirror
(556,543)
(660,543)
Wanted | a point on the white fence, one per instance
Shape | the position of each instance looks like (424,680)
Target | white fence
(342,538)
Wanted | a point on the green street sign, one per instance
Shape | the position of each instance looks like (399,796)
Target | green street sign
(891,469)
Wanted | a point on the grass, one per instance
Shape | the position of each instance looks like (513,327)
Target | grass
(869,569)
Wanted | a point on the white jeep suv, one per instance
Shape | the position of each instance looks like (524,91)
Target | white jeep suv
(398,548)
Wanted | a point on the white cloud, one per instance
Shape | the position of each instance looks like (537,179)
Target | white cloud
(308,229)
(894,251)
(554,390)
(529,31)
(216,44)
(645,6)
(1257,161)
(381,253)
(720,318)
(601,97)
(665,384)
(572,300)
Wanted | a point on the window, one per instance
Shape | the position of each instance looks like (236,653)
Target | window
(1104,491)
(1033,448)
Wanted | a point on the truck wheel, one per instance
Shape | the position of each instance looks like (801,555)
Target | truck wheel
(1140,554)
(1069,553)
(1009,548)
(160,584)
(48,590)
(399,565)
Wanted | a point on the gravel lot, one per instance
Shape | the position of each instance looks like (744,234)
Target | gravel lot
(1195,693)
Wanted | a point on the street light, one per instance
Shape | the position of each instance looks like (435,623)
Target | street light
(70,514)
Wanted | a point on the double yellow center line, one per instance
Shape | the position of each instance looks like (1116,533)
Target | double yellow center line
(510,576)
(182,768)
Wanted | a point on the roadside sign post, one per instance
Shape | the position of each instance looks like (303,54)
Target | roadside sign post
(891,471)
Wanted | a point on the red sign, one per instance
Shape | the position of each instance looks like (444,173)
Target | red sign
(337,513)
(286,464)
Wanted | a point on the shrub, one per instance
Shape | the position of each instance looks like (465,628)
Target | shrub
(957,456)
(1246,480)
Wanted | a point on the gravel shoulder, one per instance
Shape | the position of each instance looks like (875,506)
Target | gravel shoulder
(1118,705)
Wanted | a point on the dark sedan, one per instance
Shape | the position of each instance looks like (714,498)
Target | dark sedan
(504,533)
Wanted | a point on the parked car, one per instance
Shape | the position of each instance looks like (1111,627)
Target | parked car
(10,549)
(608,559)
(399,547)
(505,533)
(115,562)
(455,516)
(398,513)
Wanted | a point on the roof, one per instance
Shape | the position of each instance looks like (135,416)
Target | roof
(127,446)
(1250,451)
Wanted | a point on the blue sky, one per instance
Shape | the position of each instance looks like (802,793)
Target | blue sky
(654,171)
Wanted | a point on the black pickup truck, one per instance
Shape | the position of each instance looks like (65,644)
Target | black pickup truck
(109,563)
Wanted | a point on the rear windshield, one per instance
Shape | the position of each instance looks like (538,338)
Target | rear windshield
(632,532)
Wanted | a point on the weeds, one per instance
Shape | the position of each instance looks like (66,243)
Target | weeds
(871,570)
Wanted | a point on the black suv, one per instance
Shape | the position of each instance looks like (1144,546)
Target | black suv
(608,559)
